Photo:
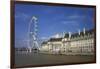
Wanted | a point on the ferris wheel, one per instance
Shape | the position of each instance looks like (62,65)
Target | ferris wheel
(32,34)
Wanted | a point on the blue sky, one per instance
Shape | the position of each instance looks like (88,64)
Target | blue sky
(51,19)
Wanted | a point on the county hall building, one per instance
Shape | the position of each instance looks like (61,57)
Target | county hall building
(80,43)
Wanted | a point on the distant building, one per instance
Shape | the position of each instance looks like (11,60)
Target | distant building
(81,43)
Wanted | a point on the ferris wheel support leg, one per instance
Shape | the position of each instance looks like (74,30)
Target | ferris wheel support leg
(30,50)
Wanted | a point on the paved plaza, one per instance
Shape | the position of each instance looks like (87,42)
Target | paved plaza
(25,59)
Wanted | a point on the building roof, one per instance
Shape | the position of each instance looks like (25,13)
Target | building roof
(44,42)
(81,33)
(55,39)
(90,31)
(67,35)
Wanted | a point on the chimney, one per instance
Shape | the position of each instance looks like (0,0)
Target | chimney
(63,34)
(79,31)
(69,34)
(84,30)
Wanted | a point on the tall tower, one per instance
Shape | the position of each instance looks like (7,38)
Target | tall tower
(84,31)
(69,34)
(32,34)
(79,31)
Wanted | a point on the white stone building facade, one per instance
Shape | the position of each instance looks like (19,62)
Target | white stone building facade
(81,43)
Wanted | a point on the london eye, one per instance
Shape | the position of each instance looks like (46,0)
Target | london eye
(32,35)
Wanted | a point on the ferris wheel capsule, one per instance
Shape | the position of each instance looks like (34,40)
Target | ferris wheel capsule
(34,18)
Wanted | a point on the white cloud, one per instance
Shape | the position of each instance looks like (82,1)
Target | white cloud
(44,38)
(73,24)
(69,22)
(75,16)
(22,16)
(73,20)
(57,35)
